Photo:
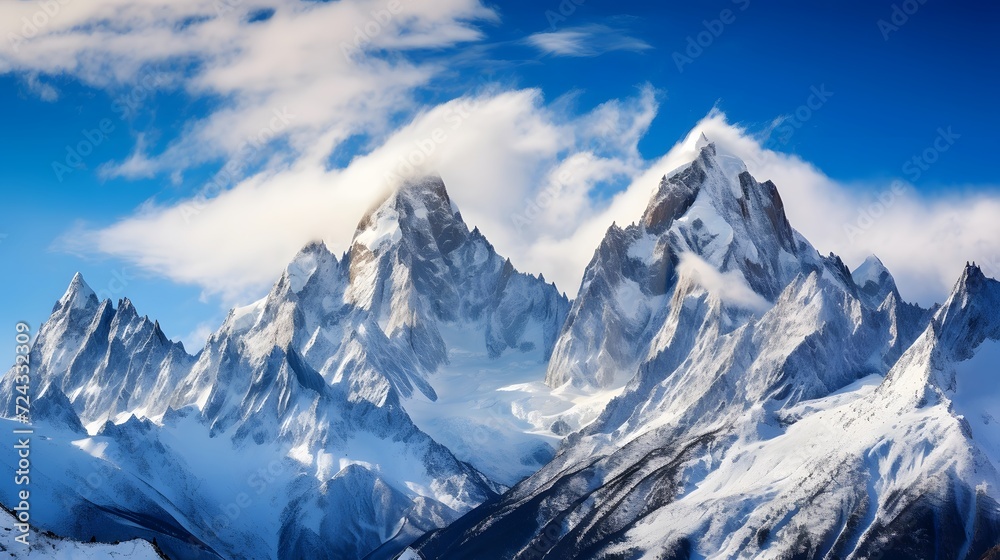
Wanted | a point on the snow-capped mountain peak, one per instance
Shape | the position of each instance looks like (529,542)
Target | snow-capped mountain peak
(707,213)
(874,281)
(713,363)
(78,295)
(969,316)
(835,421)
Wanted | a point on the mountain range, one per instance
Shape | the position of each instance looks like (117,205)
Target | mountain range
(717,389)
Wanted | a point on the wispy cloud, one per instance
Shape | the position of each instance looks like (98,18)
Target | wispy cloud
(340,67)
(494,150)
(525,170)
(586,41)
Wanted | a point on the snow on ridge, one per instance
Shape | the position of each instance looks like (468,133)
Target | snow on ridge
(871,270)
(45,547)
(385,231)
(78,294)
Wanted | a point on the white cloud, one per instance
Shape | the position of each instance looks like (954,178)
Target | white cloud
(493,151)
(731,287)
(199,336)
(325,62)
(924,240)
(522,169)
(525,174)
(585,41)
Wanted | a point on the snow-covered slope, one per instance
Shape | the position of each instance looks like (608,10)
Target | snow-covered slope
(710,227)
(46,547)
(289,434)
(814,416)
(719,389)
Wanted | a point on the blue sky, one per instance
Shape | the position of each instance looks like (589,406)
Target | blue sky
(549,69)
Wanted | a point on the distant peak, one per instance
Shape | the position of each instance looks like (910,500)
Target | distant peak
(313,247)
(418,208)
(313,251)
(431,182)
(874,260)
(430,189)
(972,277)
(312,257)
(78,295)
(875,281)
(126,309)
(871,270)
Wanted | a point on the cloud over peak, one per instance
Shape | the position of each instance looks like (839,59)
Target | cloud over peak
(296,82)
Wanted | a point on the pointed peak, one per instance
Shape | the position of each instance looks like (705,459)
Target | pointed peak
(158,332)
(412,206)
(312,257)
(971,288)
(429,184)
(871,270)
(972,278)
(875,282)
(316,246)
(704,147)
(126,309)
(428,191)
(78,295)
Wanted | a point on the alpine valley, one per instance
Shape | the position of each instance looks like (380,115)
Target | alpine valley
(717,389)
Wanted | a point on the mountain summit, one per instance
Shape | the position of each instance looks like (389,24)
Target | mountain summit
(772,405)
(311,386)
(718,389)
(709,227)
